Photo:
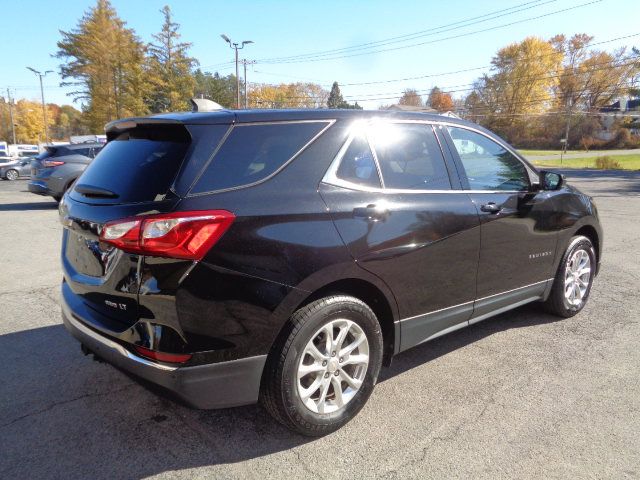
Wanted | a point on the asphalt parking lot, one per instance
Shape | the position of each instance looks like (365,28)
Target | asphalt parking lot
(521,395)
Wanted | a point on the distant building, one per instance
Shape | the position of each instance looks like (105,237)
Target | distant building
(622,109)
(411,108)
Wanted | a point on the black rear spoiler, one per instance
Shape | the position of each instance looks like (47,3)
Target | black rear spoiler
(117,126)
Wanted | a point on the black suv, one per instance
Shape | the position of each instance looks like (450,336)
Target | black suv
(284,256)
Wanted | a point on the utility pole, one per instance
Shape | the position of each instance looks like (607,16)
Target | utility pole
(236,47)
(566,133)
(44,106)
(13,125)
(246,62)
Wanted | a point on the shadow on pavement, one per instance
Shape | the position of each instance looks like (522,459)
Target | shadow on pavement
(526,316)
(15,207)
(63,415)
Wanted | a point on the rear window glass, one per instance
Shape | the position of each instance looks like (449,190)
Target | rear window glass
(253,152)
(81,151)
(138,165)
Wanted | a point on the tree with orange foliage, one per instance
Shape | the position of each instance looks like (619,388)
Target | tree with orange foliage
(440,101)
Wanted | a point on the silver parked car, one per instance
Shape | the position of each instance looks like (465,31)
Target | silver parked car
(20,167)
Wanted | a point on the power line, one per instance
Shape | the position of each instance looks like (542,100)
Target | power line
(310,57)
(452,37)
(422,33)
(451,89)
(441,74)
(455,88)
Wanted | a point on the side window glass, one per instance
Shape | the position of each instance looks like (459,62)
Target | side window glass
(357,164)
(253,152)
(410,157)
(488,165)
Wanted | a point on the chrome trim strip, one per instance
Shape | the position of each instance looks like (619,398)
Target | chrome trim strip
(278,122)
(273,174)
(337,182)
(436,311)
(476,300)
(116,346)
(513,290)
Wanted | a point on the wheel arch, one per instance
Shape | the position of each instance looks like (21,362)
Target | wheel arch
(375,299)
(371,291)
(592,234)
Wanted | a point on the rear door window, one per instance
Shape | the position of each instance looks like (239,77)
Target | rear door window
(410,157)
(136,165)
(253,152)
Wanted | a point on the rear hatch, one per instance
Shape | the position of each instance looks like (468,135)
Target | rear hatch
(37,164)
(132,175)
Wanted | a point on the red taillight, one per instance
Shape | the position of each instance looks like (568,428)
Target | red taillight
(52,163)
(162,356)
(187,235)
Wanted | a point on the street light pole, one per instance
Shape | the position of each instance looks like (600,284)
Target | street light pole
(13,125)
(44,106)
(236,47)
(237,81)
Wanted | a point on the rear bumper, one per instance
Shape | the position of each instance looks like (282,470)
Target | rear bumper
(217,385)
(39,188)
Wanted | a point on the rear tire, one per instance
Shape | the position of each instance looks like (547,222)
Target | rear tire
(11,175)
(572,284)
(324,365)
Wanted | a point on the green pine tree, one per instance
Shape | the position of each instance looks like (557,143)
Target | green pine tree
(104,61)
(216,88)
(335,99)
(169,69)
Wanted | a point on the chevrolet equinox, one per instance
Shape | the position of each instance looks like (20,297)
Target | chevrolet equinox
(284,256)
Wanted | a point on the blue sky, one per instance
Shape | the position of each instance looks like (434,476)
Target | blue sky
(281,29)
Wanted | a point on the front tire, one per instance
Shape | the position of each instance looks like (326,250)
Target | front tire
(572,284)
(324,366)
(11,175)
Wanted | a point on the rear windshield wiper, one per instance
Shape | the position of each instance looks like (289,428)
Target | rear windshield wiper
(94,192)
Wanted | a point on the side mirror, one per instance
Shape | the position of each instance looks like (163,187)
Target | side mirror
(551,180)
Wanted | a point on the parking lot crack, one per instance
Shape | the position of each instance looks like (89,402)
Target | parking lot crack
(306,467)
(64,402)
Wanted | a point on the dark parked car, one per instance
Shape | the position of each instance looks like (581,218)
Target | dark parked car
(55,169)
(285,256)
(12,170)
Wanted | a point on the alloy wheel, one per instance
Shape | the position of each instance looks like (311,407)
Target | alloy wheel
(577,277)
(12,175)
(333,366)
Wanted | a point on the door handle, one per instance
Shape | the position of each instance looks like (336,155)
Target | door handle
(491,207)
(371,212)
